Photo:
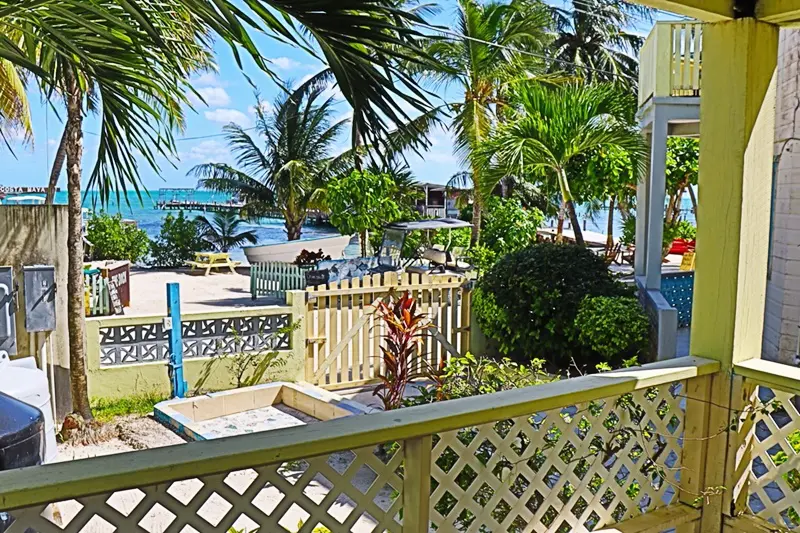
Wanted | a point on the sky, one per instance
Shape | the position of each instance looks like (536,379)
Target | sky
(229,97)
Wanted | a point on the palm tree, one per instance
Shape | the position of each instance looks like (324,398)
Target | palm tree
(14,110)
(222,232)
(481,65)
(130,61)
(592,41)
(298,136)
(555,125)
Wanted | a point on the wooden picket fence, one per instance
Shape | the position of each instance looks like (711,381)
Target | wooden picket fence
(97,296)
(273,279)
(344,335)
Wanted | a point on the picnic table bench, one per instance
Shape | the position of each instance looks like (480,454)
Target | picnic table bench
(209,260)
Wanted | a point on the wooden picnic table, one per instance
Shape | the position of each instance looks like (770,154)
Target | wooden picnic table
(211,260)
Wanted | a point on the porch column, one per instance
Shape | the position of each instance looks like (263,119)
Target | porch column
(642,210)
(656,191)
(737,115)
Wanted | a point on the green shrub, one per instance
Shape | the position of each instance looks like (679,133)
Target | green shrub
(508,227)
(113,239)
(686,230)
(529,299)
(615,327)
(107,409)
(178,241)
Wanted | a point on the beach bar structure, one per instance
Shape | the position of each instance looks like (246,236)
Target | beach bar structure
(691,445)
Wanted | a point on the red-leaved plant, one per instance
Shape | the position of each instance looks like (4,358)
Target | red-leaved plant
(401,351)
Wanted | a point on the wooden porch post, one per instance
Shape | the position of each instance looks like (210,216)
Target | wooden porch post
(737,114)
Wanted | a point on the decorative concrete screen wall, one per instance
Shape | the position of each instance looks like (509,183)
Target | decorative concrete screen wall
(128,355)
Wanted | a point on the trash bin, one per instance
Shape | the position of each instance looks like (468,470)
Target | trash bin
(21,439)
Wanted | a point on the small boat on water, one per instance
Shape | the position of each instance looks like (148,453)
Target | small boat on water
(286,252)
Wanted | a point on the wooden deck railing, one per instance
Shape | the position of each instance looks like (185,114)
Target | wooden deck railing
(575,455)
(670,61)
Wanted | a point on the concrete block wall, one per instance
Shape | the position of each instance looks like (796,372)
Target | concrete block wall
(782,313)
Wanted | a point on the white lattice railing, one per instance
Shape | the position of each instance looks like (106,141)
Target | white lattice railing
(774,475)
(575,455)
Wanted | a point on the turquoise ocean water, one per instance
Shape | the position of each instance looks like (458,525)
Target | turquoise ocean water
(150,219)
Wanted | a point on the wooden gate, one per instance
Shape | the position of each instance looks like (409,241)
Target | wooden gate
(344,335)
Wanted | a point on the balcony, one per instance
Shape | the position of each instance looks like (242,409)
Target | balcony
(670,61)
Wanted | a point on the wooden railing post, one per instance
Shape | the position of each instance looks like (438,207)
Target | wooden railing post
(417,484)
(305,366)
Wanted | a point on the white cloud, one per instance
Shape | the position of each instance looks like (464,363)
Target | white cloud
(213,96)
(207,79)
(208,151)
(286,63)
(52,142)
(225,116)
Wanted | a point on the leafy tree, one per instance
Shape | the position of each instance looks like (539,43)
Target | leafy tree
(480,65)
(111,238)
(177,242)
(130,61)
(295,161)
(592,40)
(612,174)
(683,155)
(222,232)
(362,202)
(555,125)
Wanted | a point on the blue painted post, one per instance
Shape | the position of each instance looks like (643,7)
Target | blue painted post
(175,341)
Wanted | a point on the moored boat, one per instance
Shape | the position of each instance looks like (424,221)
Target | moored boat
(286,252)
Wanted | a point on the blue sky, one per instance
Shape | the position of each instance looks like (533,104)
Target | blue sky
(229,97)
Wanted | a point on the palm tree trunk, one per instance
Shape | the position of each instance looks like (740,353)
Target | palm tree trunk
(694,200)
(569,203)
(362,237)
(477,218)
(55,172)
(610,227)
(75,311)
(562,213)
(294,227)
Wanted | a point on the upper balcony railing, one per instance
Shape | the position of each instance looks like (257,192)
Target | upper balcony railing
(670,62)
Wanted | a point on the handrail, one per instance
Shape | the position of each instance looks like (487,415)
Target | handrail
(74,479)
(770,374)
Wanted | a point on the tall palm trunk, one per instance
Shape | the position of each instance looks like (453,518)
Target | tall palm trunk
(55,171)
(610,226)
(294,227)
(75,312)
(569,204)
(477,219)
(693,197)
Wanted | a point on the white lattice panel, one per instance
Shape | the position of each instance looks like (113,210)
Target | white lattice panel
(566,470)
(355,491)
(775,471)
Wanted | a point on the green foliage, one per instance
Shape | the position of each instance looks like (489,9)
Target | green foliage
(106,409)
(469,375)
(615,327)
(686,230)
(362,201)
(683,155)
(222,231)
(508,227)
(113,239)
(628,236)
(178,241)
(529,299)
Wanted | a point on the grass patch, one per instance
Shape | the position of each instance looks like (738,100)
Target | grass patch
(106,409)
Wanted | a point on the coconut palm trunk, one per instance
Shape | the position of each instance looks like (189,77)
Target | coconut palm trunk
(55,171)
(610,227)
(75,310)
(569,205)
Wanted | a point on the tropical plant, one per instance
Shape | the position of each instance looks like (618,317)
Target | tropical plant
(479,62)
(298,135)
(112,238)
(222,231)
(616,327)
(176,243)
(528,301)
(130,62)
(592,40)
(553,126)
(310,257)
(405,330)
(15,112)
(683,154)
(361,202)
